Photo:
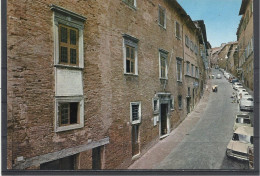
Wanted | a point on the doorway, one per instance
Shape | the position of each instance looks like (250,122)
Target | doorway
(135,140)
(67,163)
(164,112)
(188,105)
(96,158)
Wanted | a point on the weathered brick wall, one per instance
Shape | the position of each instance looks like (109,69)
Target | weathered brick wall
(107,91)
(31,79)
(245,37)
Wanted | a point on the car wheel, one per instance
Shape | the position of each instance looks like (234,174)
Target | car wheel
(228,156)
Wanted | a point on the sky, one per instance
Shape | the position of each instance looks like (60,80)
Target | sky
(221,18)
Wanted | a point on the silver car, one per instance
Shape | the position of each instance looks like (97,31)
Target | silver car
(246,104)
(241,140)
(242,120)
(219,76)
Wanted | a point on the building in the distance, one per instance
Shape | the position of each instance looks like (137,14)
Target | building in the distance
(95,84)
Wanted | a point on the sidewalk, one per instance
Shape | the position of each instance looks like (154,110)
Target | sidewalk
(162,149)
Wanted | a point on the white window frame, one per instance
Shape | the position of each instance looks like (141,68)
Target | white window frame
(71,19)
(164,9)
(133,42)
(156,111)
(178,37)
(172,105)
(191,45)
(179,60)
(80,100)
(165,54)
(181,102)
(196,72)
(187,41)
(187,68)
(135,5)
(139,113)
(192,70)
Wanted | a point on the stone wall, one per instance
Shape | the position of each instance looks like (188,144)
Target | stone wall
(107,90)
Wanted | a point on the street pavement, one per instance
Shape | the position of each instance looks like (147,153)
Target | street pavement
(200,141)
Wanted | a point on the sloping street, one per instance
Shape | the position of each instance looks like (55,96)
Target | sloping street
(204,146)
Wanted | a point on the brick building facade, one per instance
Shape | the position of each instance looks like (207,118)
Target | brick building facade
(245,44)
(95,84)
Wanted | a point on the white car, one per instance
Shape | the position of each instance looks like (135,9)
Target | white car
(242,120)
(241,94)
(246,104)
(236,84)
(219,76)
(241,140)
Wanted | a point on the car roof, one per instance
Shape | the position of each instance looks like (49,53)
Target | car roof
(248,96)
(245,130)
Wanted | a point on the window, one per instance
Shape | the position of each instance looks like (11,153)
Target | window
(189,91)
(69,113)
(130,55)
(156,105)
(162,16)
(131,3)
(196,72)
(188,68)
(191,46)
(135,140)
(68,44)
(135,112)
(163,64)
(180,101)
(192,68)
(187,41)
(179,69)
(172,103)
(177,30)
(68,37)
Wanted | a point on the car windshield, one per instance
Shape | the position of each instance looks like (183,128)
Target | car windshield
(242,138)
(242,120)
(250,99)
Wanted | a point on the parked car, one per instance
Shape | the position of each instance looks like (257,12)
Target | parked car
(241,140)
(242,120)
(246,104)
(231,78)
(212,76)
(234,80)
(240,94)
(236,83)
(237,87)
(219,76)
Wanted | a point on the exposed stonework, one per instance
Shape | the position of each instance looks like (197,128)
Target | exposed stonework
(107,90)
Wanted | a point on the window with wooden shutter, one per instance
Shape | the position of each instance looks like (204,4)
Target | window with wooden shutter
(130,59)
(163,63)
(68,113)
(130,55)
(177,30)
(179,69)
(162,16)
(68,43)
(187,41)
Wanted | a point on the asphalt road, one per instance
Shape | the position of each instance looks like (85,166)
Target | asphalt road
(205,146)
